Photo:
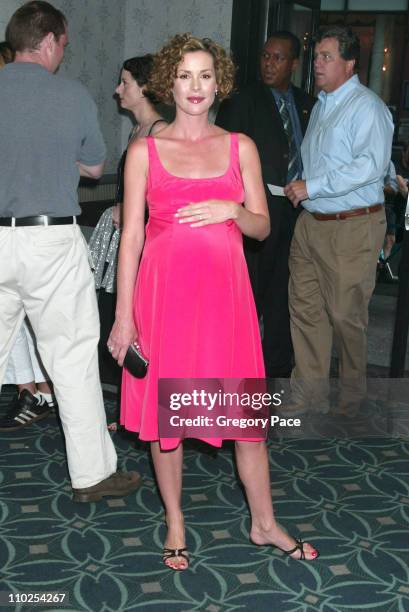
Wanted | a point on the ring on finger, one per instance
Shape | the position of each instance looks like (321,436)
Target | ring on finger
(110,348)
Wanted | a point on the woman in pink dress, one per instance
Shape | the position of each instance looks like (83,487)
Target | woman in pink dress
(183,290)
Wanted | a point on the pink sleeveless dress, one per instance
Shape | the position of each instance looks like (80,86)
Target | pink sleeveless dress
(193,304)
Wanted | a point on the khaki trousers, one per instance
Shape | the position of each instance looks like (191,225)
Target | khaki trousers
(332,277)
(44,272)
(23,365)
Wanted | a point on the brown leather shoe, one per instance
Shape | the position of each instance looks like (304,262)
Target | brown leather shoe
(118,484)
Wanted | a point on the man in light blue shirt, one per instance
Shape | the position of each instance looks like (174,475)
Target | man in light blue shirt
(345,153)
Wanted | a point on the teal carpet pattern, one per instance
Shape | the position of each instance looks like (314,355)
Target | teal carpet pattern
(348,497)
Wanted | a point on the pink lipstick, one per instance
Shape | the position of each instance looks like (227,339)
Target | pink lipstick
(195,99)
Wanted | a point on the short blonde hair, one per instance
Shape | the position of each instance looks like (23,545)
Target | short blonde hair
(167,60)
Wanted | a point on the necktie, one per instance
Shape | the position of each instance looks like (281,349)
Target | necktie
(293,167)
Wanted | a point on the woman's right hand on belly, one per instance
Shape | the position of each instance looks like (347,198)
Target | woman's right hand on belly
(123,334)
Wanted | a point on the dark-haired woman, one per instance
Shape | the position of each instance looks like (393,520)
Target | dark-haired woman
(133,97)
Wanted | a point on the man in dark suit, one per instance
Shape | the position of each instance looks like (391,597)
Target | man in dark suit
(274,113)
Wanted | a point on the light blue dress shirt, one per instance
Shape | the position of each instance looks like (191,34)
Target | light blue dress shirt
(346,149)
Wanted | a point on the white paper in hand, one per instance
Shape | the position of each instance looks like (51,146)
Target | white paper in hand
(275,190)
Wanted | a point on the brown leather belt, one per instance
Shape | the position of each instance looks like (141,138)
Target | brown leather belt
(346,214)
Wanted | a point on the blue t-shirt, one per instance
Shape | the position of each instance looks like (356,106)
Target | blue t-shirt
(48,123)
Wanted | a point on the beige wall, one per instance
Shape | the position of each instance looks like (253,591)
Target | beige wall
(7,8)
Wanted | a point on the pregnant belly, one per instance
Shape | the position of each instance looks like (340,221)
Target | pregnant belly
(174,242)
(190,283)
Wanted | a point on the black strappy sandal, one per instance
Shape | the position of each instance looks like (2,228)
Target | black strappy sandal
(169,553)
(299,545)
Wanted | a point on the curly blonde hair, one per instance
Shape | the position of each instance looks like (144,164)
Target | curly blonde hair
(167,60)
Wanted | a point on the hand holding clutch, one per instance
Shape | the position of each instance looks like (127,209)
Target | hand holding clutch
(135,362)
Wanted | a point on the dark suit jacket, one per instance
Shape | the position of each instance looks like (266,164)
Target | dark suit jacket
(254,112)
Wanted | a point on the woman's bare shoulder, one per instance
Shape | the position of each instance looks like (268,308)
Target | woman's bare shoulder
(138,153)
(139,146)
(246,144)
(245,140)
(248,153)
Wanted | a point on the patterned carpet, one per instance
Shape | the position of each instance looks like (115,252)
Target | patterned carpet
(349,497)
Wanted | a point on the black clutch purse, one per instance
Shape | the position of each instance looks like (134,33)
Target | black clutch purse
(135,362)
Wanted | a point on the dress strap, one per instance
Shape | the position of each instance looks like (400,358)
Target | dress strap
(155,172)
(152,153)
(153,125)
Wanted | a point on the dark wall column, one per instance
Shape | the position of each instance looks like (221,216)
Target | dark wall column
(252,23)
(249,29)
